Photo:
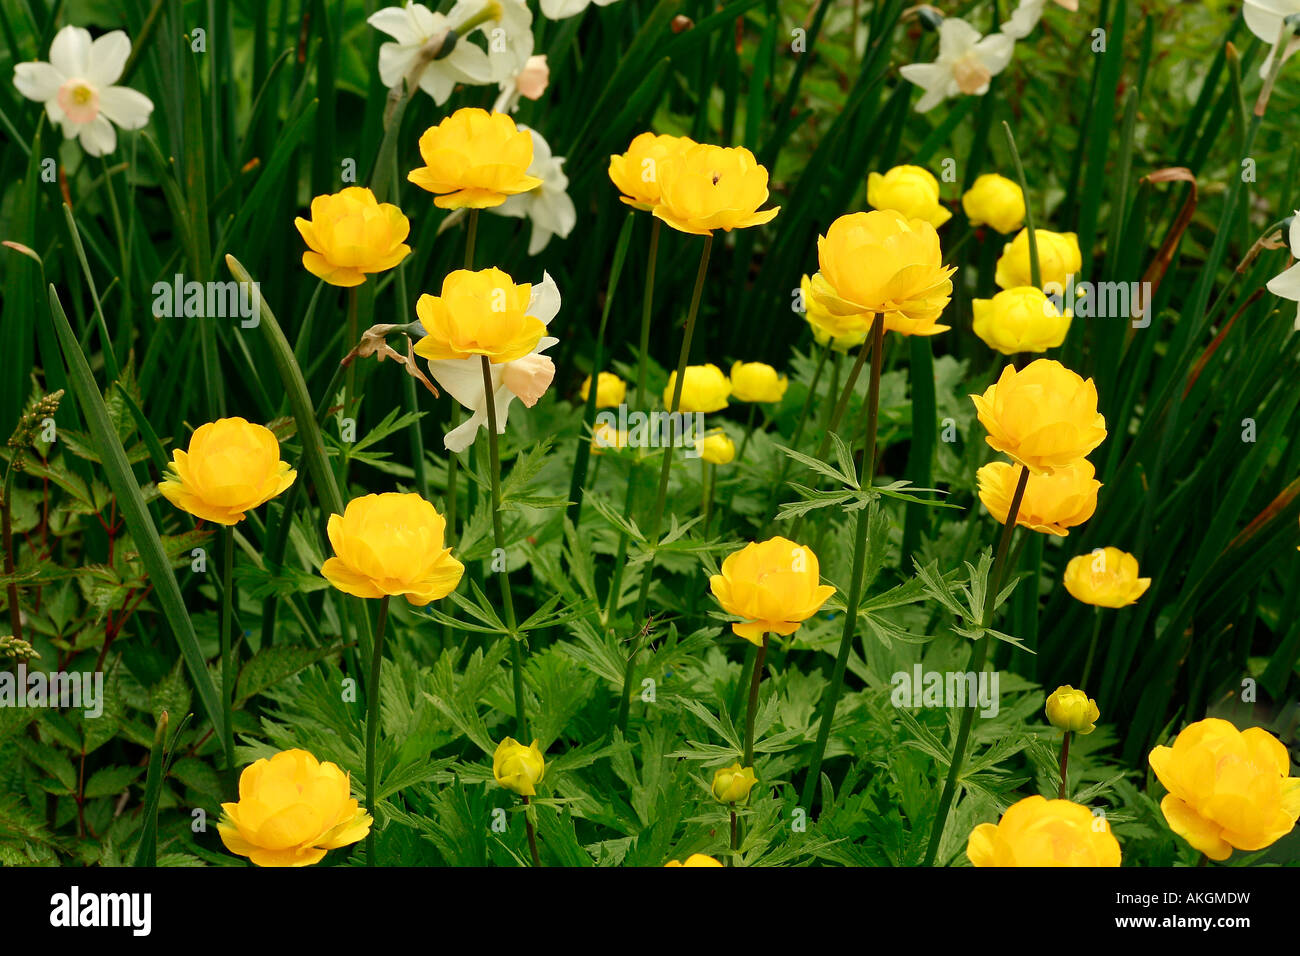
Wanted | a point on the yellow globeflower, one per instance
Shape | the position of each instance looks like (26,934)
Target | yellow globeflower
(1022,319)
(995,201)
(771,585)
(636,172)
(909,190)
(351,233)
(1052,503)
(1072,710)
(1043,416)
(391,544)
(757,382)
(704,389)
(291,809)
(1107,577)
(695,859)
(703,188)
(1228,789)
(1058,259)
(732,784)
(231,467)
(610,390)
(605,435)
(1039,832)
(517,767)
(475,158)
(840,332)
(883,262)
(717,448)
(478,313)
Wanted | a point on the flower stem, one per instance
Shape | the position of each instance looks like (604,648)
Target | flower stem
(708,475)
(372,725)
(532,834)
(977,665)
(350,339)
(647,302)
(499,538)
(1065,763)
(749,431)
(227,659)
(1092,647)
(656,518)
(754,681)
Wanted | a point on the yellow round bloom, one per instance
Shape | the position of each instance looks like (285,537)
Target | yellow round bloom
(1043,416)
(636,172)
(995,201)
(1052,503)
(732,784)
(475,158)
(716,448)
(391,544)
(704,389)
(478,313)
(610,390)
(231,467)
(1072,710)
(1040,832)
(1058,259)
(1022,319)
(1107,577)
(1228,789)
(909,190)
(757,382)
(351,233)
(772,585)
(605,435)
(703,188)
(883,262)
(695,859)
(517,767)
(291,809)
(840,332)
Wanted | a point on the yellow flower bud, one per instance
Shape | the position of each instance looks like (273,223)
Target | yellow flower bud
(291,809)
(476,159)
(1040,832)
(772,586)
(231,467)
(704,389)
(756,382)
(478,313)
(995,201)
(610,390)
(636,172)
(391,544)
(732,784)
(1052,504)
(695,859)
(604,435)
(1072,710)
(703,188)
(517,767)
(909,190)
(1228,788)
(351,233)
(1107,577)
(1058,259)
(716,448)
(883,262)
(1022,319)
(1043,416)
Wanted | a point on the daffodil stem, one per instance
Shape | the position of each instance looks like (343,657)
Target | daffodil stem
(994,585)
(499,538)
(656,517)
(227,658)
(1065,765)
(372,727)
(647,303)
(532,834)
(754,680)
(832,695)
(1092,647)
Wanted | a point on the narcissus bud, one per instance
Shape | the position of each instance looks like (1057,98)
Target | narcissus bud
(732,784)
(910,190)
(517,767)
(995,201)
(1072,710)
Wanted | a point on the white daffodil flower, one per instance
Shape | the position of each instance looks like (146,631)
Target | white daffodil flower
(967,63)
(526,379)
(562,9)
(1287,285)
(509,34)
(1264,17)
(77,88)
(548,207)
(411,27)
(1027,15)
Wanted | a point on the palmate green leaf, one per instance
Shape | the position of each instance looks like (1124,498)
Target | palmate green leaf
(814,499)
(110,781)
(271,665)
